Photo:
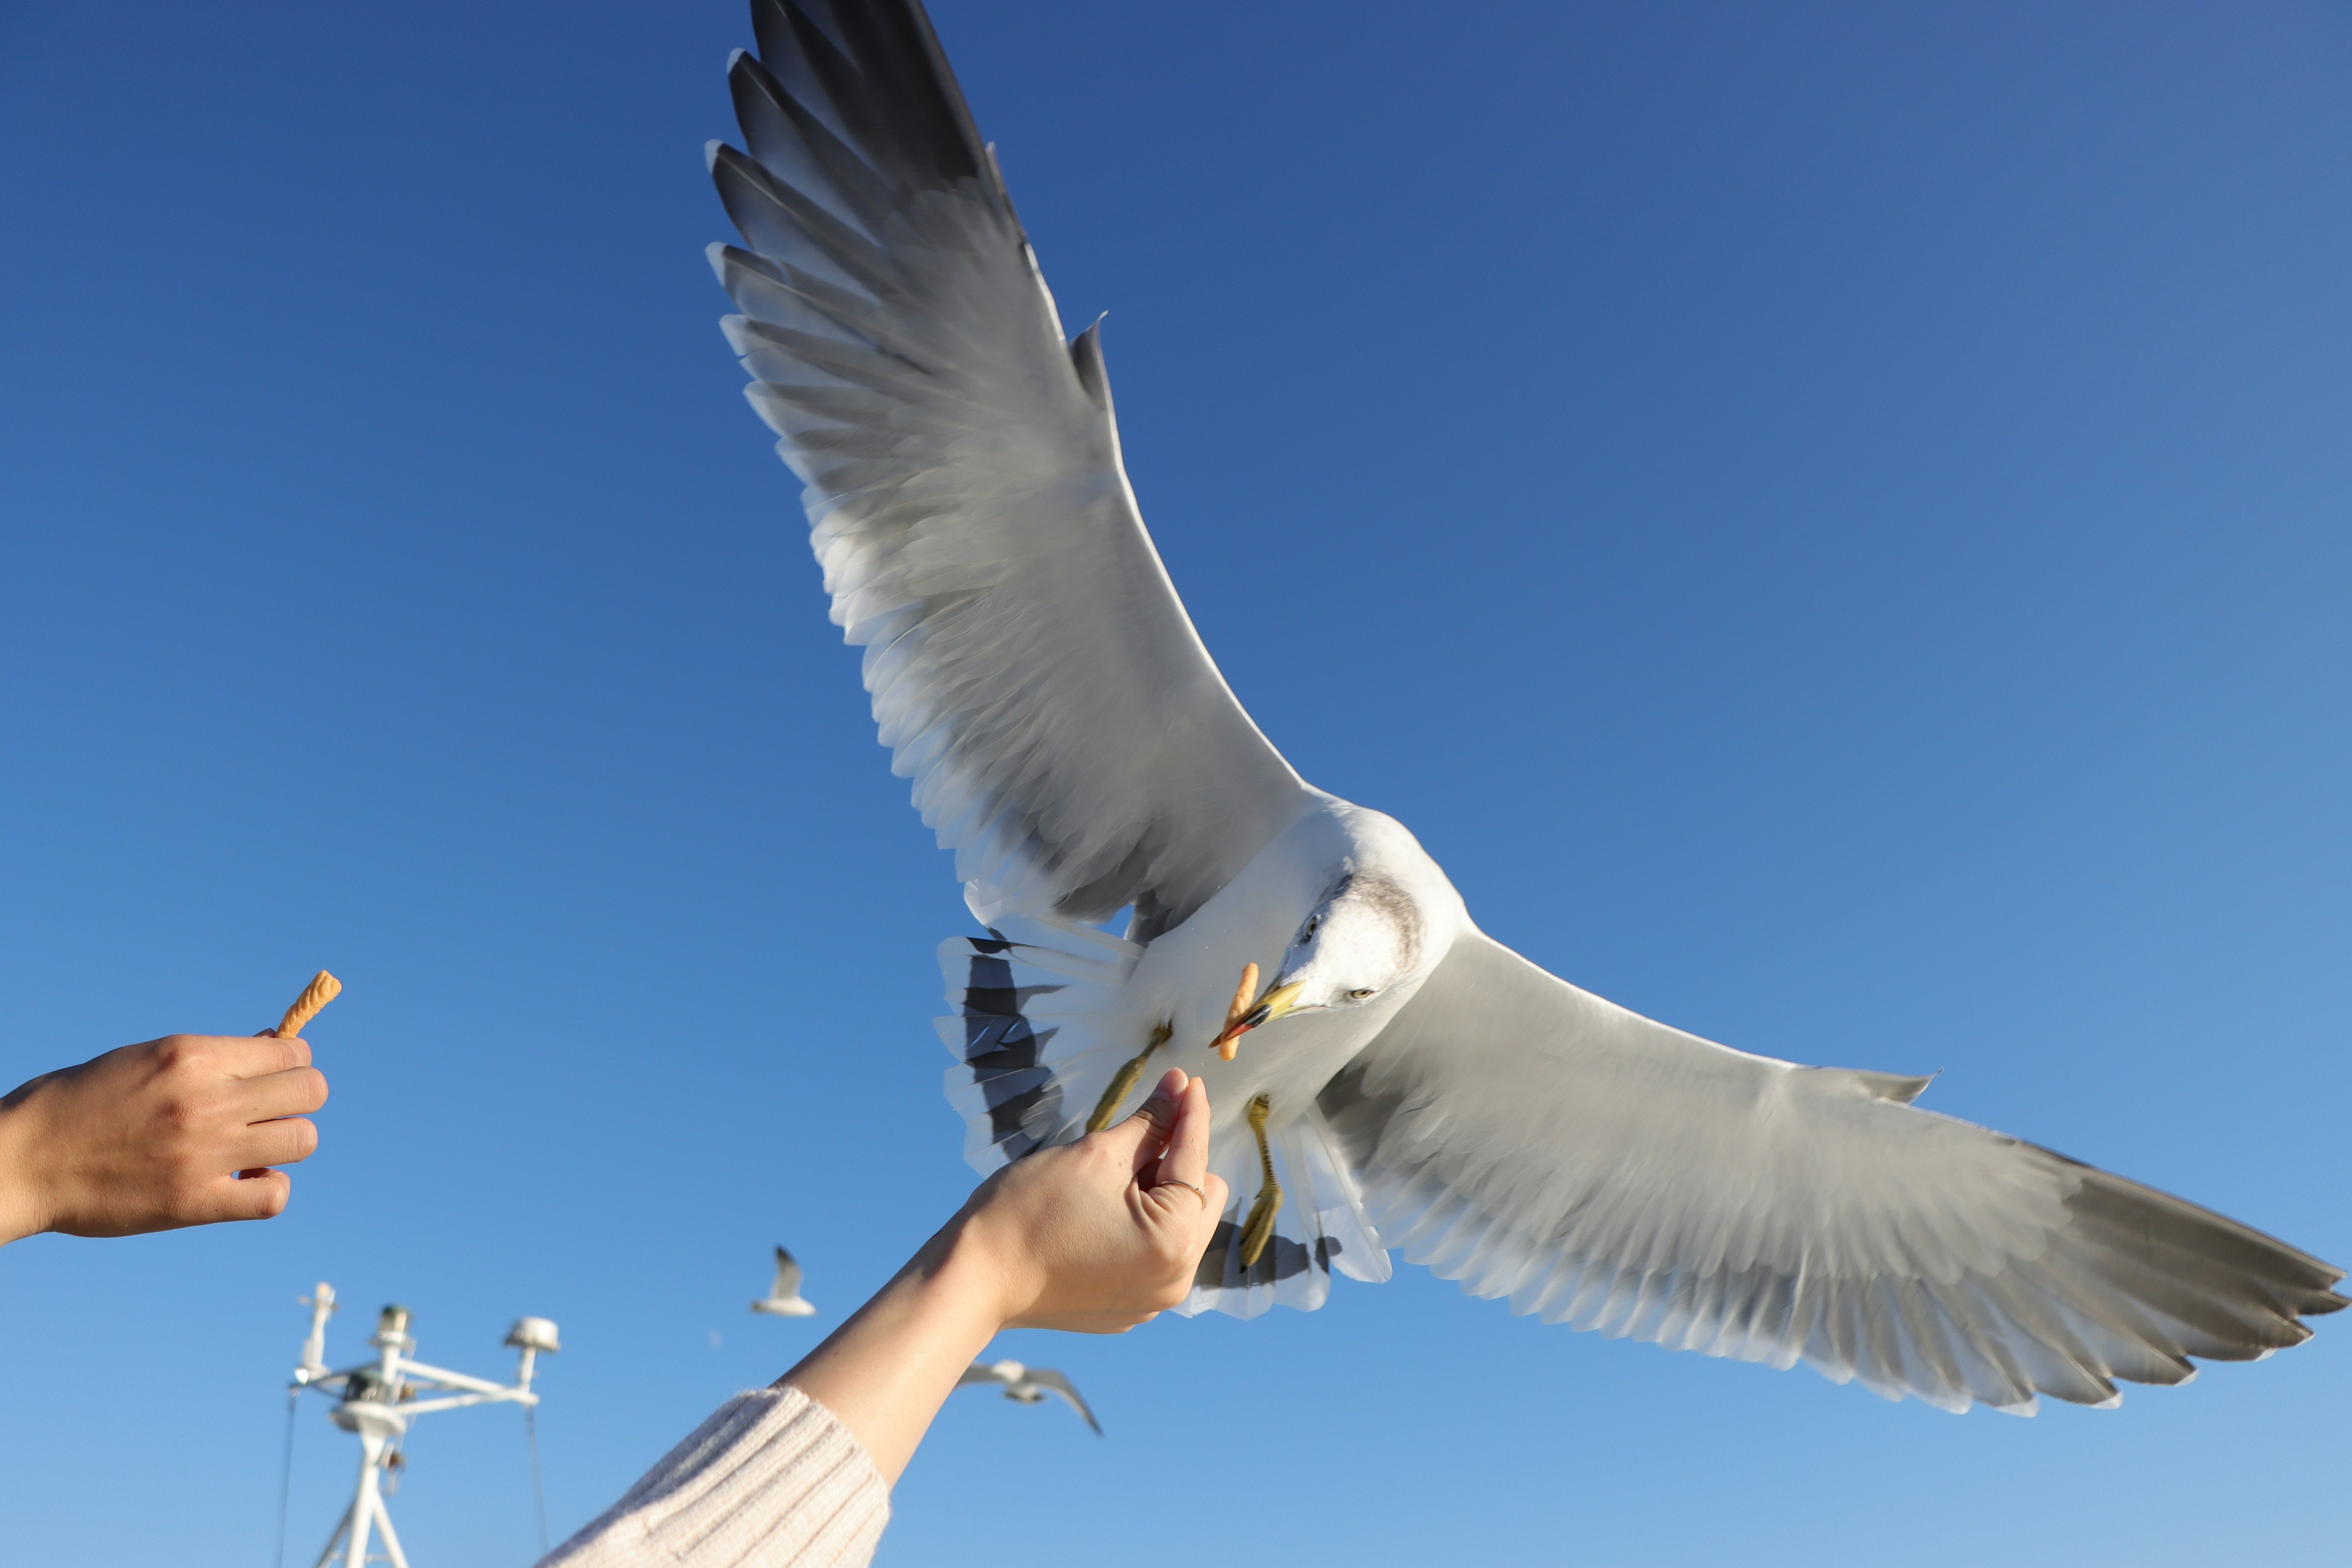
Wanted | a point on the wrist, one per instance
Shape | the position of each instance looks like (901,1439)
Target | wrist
(975,1273)
(23,1212)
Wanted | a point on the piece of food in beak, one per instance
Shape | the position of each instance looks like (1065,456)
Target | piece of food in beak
(1235,1010)
(1242,1016)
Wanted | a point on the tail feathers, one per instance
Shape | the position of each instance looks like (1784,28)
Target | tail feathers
(1321,1225)
(1036,1032)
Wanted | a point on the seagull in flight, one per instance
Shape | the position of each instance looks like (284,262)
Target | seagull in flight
(784,1298)
(1029,1384)
(1394,1077)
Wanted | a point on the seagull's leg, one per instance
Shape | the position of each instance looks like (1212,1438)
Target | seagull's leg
(1259,1228)
(1123,1081)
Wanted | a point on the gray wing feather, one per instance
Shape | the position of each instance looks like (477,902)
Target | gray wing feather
(788,1276)
(980,1372)
(1047,1378)
(1030,664)
(1539,1143)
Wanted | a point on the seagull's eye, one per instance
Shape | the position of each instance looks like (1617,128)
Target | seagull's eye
(1359,994)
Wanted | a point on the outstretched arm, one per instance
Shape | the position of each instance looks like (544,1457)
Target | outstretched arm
(1095,1238)
(177,1131)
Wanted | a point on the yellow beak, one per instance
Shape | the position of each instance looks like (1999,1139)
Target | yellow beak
(1277,1000)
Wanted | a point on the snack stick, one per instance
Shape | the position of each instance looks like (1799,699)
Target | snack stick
(1244,995)
(323,988)
(1241,1004)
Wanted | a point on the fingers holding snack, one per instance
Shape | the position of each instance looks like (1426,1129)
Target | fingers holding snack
(180,1130)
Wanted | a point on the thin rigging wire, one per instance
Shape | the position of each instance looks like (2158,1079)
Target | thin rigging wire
(538,1486)
(286,1474)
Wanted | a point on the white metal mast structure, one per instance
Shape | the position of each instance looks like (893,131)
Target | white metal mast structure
(379,1399)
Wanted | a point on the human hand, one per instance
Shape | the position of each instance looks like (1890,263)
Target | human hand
(1095,1237)
(1099,1236)
(176,1132)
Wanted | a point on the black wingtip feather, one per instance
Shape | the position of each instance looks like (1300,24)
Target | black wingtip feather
(893,43)
(879,70)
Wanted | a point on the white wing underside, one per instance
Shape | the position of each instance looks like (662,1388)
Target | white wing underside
(1055,1382)
(1030,665)
(1598,1169)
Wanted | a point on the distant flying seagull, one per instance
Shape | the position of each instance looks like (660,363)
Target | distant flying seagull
(784,1298)
(1412,1082)
(1029,1384)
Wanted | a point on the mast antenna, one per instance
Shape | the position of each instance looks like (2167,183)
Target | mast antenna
(379,1399)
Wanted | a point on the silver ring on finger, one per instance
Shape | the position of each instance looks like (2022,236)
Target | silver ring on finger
(1178,1182)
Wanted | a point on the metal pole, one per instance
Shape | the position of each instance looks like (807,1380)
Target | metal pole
(368,1504)
(337,1538)
(391,1542)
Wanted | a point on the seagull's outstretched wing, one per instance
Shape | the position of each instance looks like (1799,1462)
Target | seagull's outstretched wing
(788,1277)
(982,1372)
(1045,1377)
(1538,1142)
(1031,666)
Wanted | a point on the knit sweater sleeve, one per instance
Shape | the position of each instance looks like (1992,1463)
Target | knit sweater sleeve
(772,1480)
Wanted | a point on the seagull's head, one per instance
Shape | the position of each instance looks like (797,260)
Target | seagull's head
(1365,935)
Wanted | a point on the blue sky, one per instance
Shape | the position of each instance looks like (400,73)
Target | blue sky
(1844,514)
